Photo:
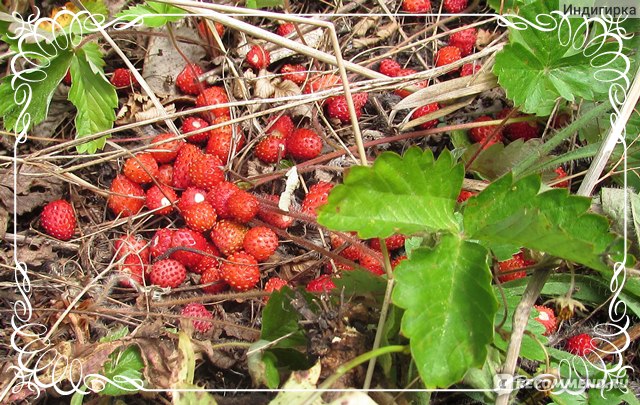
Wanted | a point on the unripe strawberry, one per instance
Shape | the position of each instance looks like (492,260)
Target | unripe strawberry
(168,273)
(58,219)
(241,271)
(260,242)
(197,310)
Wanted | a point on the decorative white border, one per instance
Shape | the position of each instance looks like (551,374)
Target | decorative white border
(27,374)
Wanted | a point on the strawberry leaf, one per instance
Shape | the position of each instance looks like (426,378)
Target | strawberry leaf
(280,319)
(498,159)
(398,194)
(93,96)
(153,14)
(552,221)
(450,308)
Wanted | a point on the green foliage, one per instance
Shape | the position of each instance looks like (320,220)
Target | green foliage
(125,363)
(498,159)
(279,318)
(360,282)
(255,4)
(450,307)
(530,349)
(153,14)
(262,365)
(396,195)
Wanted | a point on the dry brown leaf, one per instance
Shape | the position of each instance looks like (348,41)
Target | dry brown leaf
(263,86)
(362,26)
(35,188)
(285,88)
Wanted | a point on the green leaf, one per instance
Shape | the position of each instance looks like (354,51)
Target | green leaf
(115,335)
(153,14)
(498,159)
(279,318)
(42,84)
(553,221)
(450,308)
(398,194)
(508,5)
(536,67)
(125,363)
(530,349)
(360,282)
(93,96)
(255,4)
(262,366)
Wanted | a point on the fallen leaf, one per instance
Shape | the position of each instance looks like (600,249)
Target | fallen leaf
(34,188)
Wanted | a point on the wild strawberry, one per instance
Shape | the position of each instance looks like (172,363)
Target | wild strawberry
(242,206)
(205,32)
(389,67)
(273,284)
(133,253)
(224,140)
(304,144)
(547,318)
(560,175)
(187,80)
(193,241)
(425,110)
(191,196)
(273,218)
(416,6)
(448,55)
(192,124)
(372,263)
(295,73)
(205,171)
(260,242)
(321,82)
(397,261)
(165,175)
(281,126)
(480,134)
(208,262)
(197,310)
(212,276)
(213,96)
(123,78)
(506,266)
(393,242)
(58,219)
(162,197)
(67,78)
(469,69)
(285,29)
(337,106)
(141,168)
(168,273)
(241,271)
(351,252)
(271,149)
(321,284)
(187,155)
(465,195)
(519,130)
(131,270)
(258,57)
(407,72)
(316,197)
(200,217)
(464,40)
(454,6)
(228,236)
(218,197)
(580,345)
(167,151)
(126,197)
(161,242)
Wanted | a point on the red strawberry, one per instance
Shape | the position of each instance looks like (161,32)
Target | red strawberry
(519,130)
(191,196)
(285,29)
(316,197)
(389,67)
(208,262)
(168,273)
(304,144)
(407,72)
(321,284)
(465,195)
(480,134)
(167,151)
(218,197)
(242,206)
(273,284)
(281,126)
(162,197)
(580,345)
(165,174)
(393,242)
(205,32)
(122,78)
(416,6)
(199,217)
(337,106)
(258,57)
(187,80)
(295,73)
(560,175)
(161,242)
(58,219)
(448,55)
(194,241)
(425,110)
(205,171)
(271,149)
(213,96)
(372,263)
(197,310)
(241,271)
(192,124)
(187,155)
(321,82)
(126,197)
(464,40)
(516,262)
(228,236)
(141,168)
(260,242)
(212,275)
(397,261)
(547,318)
(131,271)
(351,252)
(454,6)
(469,69)
(273,218)
(222,141)
(134,253)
